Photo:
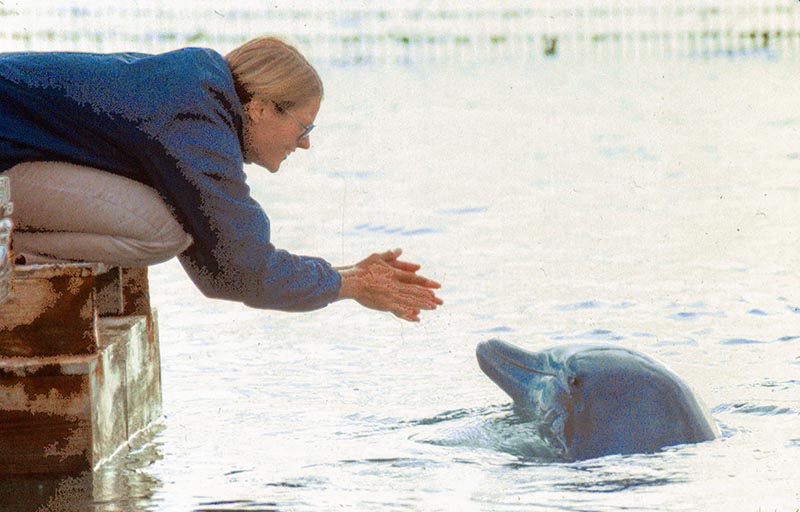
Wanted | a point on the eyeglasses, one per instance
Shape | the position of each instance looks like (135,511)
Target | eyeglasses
(306,127)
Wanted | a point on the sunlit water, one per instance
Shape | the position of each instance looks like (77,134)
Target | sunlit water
(649,205)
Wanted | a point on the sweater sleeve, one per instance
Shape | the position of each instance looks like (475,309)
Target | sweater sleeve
(232,256)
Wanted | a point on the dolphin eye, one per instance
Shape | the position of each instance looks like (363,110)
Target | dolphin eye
(573,381)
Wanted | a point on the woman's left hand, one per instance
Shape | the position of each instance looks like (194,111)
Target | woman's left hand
(384,283)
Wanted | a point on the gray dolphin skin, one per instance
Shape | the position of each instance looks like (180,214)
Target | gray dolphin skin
(596,400)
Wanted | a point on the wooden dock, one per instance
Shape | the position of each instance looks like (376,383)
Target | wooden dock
(79,364)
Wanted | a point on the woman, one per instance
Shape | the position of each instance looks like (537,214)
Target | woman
(131,159)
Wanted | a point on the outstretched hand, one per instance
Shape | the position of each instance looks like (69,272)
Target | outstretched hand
(384,283)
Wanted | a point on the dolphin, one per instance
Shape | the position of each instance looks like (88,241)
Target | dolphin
(597,400)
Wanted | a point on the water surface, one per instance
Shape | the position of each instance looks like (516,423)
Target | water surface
(651,205)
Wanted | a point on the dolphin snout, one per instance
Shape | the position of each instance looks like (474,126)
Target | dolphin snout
(510,367)
(484,349)
(501,351)
(483,352)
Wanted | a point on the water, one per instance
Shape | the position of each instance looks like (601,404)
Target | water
(651,205)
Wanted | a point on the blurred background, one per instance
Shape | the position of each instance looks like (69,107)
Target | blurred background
(349,32)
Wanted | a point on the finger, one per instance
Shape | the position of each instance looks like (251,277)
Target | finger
(416,279)
(392,255)
(404,265)
(427,298)
(422,298)
(415,290)
(414,317)
(409,315)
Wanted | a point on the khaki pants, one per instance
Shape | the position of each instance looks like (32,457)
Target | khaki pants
(64,211)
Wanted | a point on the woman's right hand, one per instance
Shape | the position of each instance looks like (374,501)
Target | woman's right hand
(384,283)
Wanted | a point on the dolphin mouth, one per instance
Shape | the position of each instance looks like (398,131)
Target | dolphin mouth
(500,351)
(512,368)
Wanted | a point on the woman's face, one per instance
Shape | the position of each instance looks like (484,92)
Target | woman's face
(271,134)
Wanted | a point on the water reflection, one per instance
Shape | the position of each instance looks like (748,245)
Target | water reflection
(121,484)
(241,505)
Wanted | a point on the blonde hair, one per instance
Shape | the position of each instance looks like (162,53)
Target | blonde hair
(268,69)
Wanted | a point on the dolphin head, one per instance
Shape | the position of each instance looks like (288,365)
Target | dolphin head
(595,400)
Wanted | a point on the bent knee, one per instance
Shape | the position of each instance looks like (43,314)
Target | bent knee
(155,250)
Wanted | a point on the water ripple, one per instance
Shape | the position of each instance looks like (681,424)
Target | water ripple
(787,384)
(613,485)
(490,330)
(690,315)
(237,505)
(755,409)
(457,414)
(381,464)
(594,335)
(741,341)
(391,230)
(287,485)
(505,433)
(688,342)
(464,211)
(749,341)
(588,304)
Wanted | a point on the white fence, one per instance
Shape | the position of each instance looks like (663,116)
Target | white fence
(362,31)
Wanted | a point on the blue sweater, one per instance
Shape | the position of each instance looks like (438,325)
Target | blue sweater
(173,122)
